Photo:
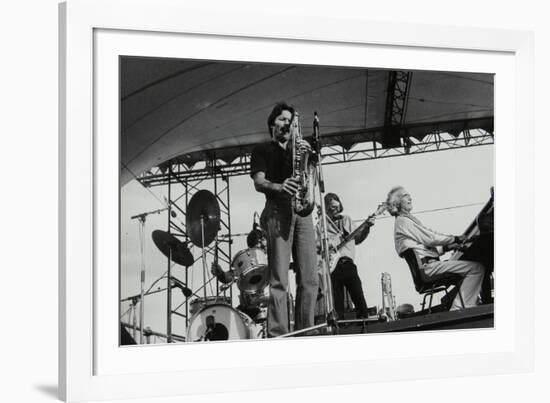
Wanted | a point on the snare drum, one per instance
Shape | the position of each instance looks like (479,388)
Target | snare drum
(250,265)
(199,303)
(220,322)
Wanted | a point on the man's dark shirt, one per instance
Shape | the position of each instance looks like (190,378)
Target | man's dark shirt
(273,160)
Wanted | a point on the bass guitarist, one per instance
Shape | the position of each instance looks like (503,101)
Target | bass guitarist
(343,269)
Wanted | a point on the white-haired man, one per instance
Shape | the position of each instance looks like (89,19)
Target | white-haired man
(428,245)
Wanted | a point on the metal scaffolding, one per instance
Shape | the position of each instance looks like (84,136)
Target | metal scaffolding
(181,172)
(180,191)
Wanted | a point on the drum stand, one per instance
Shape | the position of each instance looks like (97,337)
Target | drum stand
(331,323)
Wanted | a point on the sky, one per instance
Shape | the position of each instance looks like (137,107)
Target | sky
(448,189)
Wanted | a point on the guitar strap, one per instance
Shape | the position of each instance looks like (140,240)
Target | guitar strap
(337,227)
(345,232)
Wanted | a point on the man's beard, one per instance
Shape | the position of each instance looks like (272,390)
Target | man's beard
(282,132)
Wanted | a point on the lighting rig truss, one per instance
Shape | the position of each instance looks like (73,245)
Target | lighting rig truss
(437,140)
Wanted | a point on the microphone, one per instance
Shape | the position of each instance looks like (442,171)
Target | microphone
(172,212)
(256,226)
(255,223)
(178,284)
(210,321)
(226,286)
(210,326)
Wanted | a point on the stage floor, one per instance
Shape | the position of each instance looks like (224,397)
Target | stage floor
(471,318)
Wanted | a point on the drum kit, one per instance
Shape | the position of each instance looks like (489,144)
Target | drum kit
(214,317)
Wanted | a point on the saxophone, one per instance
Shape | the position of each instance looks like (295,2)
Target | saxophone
(304,170)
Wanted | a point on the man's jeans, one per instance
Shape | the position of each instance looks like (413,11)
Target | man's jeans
(289,233)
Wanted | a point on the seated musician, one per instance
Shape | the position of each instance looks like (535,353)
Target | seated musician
(255,239)
(410,233)
(345,276)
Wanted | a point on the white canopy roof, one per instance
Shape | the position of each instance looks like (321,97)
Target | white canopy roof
(173,108)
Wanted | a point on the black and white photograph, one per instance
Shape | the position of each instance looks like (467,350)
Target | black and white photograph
(266,200)
(287,201)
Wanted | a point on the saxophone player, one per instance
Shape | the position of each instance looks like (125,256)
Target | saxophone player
(287,232)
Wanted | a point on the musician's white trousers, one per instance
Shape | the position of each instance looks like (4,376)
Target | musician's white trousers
(473,273)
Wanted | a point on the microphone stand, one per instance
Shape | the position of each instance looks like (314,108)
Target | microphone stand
(331,317)
(141,219)
(331,323)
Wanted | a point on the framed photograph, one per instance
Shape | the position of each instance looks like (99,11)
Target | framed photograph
(188,252)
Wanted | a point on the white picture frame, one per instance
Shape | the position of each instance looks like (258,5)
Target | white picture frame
(91,366)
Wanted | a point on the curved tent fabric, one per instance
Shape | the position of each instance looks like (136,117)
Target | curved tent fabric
(189,109)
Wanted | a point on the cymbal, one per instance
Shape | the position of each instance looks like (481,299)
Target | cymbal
(167,242)
(203,205)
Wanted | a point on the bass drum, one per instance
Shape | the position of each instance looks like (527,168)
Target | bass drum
(199,303)
(220,322)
